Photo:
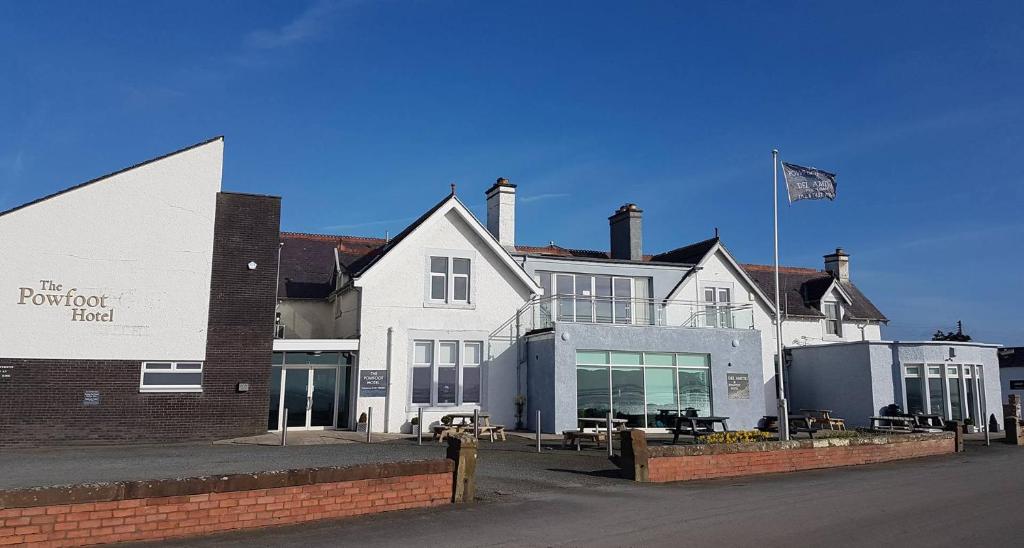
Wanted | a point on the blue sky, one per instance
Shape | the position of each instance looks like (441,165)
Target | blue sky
(360,114)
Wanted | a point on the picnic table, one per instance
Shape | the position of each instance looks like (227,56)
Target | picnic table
(595,433)
(823,419)
(697,426)
(893,423)
(928,422)
(457,423)
(797,424)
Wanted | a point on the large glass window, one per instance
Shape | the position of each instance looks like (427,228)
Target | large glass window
(956,410)
(628,395)
(648,389)
(915,389)
(599,299)
(446,372)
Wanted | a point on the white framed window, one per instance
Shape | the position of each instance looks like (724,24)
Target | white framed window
(446,372)
(171,377)
(450,280)
(833,319)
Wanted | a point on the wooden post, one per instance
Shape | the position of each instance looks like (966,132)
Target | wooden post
(958,432)
(462,449)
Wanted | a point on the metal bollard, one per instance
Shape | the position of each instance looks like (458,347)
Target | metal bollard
(369,422)
(476,423)
(284,428)
(419,430)
(538,430)
(608,426)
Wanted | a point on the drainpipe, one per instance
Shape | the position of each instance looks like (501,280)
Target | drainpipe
(387,392)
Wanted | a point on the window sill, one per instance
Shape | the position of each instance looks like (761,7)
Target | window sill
(457,306)
(170,390)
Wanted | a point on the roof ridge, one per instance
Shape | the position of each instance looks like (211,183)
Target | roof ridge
(783,267)
(313,235)
(680,248)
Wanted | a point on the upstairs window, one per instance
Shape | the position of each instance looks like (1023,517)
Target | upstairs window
(450,280)
(833,319)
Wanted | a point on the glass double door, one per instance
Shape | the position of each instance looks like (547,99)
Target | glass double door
(309,397)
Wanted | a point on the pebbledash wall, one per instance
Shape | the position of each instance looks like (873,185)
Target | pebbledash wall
(150,264)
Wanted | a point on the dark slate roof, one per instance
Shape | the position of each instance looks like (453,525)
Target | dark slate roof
(1011,357)
(553,250)
(307,262)
(109,175)
(688,254)
(801,290)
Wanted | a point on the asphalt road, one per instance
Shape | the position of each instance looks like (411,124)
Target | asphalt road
(970,499)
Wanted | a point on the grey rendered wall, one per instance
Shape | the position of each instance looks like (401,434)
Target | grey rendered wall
(542,384)
(731,350)
(836,377)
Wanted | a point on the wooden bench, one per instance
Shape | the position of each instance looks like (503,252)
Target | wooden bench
(798,424)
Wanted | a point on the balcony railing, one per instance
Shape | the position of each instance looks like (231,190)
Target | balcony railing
(544,312)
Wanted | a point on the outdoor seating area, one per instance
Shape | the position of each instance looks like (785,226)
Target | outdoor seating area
(456,423)
(689,424)
(798,424)
(591,429)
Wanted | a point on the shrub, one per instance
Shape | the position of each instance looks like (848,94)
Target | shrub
(741,436)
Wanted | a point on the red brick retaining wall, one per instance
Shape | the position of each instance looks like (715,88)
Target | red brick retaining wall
(114,512)
(684,463)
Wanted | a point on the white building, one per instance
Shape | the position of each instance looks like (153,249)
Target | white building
(450,316)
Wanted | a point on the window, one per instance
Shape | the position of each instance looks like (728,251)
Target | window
(717,307)
(171,377)
(450,280)
(915,389)
(446,372)
(833,319)
(598,299)
(648,389)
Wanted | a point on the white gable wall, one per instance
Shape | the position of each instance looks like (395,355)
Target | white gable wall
(393,295)
(140,243)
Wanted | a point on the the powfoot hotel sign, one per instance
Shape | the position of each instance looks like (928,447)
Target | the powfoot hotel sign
(82,307)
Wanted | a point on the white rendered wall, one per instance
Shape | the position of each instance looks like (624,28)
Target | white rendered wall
(140,242)
(393,295)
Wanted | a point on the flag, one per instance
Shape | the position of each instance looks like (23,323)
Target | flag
(808,183)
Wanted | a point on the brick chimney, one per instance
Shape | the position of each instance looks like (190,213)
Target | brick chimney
(501,211)
(627,233)
(838,264)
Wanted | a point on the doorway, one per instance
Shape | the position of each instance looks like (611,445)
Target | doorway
(309,390)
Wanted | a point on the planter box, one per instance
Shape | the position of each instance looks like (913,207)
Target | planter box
(692,462)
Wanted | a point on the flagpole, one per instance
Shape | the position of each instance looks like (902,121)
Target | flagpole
(780,391)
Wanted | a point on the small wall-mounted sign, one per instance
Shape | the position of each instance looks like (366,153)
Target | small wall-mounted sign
(243,387)
(739,386)
(6,373)
(373,383)
(91,397)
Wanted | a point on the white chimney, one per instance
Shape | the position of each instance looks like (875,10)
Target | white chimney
(838,264)
(501,212)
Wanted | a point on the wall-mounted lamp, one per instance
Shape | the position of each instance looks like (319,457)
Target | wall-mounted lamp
(252,265)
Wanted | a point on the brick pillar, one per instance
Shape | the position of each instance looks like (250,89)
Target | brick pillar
(462,450)
(1012,408)
(1014,436)
(633,462)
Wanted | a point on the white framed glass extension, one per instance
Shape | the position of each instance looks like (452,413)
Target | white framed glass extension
(954,391)
(647,389)
(314,387)
(589,298)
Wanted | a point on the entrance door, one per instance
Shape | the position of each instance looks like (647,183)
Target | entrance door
(310,397)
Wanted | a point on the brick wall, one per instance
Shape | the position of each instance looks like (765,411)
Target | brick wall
(693,462)
(767,462)
(42,403)
(130,511)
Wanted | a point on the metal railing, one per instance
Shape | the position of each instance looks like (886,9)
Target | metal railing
(279,330)
(546,311)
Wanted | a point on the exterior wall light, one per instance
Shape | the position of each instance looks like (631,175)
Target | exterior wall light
(252,265)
